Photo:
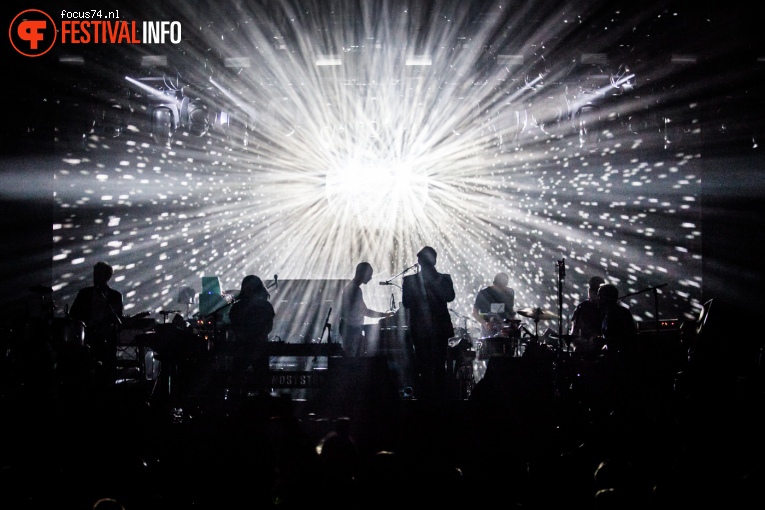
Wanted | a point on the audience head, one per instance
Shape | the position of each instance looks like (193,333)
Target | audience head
(108,504)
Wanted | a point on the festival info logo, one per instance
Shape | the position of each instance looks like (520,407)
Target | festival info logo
(33,32)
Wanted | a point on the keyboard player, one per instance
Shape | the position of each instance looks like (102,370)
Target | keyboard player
(353,311)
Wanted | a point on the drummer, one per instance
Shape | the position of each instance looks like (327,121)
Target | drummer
(494,305)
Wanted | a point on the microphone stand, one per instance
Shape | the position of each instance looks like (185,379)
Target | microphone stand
(655,301)
(328,327)
(561,276)
(388,282)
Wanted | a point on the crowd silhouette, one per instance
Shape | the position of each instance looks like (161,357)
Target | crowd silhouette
(674,426)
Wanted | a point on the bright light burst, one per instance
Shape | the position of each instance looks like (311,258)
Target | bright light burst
(377,193)
(505,153)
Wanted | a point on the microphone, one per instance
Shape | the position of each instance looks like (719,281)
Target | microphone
(386,283)
(276,280)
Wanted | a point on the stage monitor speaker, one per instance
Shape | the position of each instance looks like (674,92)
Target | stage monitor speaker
(514,380)
(356,385)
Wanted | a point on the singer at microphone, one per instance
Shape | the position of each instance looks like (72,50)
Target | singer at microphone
(425,297)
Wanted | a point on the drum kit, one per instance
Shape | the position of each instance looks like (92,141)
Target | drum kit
(469,352)
(510,335)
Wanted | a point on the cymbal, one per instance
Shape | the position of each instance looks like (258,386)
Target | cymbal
(537,314)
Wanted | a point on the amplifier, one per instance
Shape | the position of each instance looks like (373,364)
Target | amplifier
(664,325)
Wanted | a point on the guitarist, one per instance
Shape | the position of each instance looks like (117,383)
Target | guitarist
(99,307)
